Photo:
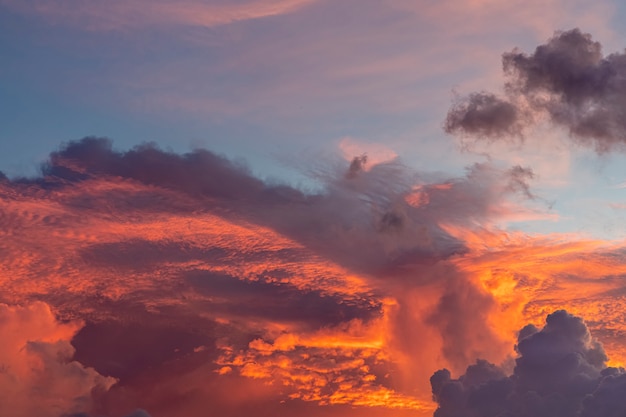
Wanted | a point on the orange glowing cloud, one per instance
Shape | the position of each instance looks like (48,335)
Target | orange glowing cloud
(341,365)
(165,274)
(38,374)
(531,276)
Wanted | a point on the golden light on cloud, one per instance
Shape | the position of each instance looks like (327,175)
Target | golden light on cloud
(347,299)
(431,223)
(531,276)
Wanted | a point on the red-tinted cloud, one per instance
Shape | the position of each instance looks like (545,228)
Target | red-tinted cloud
(38,374)
(200,285)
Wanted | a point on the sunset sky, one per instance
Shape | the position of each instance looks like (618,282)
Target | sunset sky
(312,207)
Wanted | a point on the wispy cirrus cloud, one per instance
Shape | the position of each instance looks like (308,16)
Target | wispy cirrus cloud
(127,15)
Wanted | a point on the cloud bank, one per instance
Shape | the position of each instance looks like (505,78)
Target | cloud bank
(309,291)
(560,371)
(196,282)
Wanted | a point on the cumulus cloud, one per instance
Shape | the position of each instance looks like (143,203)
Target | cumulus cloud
(39,376)
(560,371)
(568,80)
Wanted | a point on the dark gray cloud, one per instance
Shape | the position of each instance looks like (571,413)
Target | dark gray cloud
(125,348)
(568,79)
(198,173)
(483,115)
(560,372)
(350,222)
(280,302)
(357,165)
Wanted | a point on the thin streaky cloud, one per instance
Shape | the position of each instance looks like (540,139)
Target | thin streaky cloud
(125,15)
(620,185)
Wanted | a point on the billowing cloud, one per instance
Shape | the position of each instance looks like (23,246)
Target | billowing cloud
(560,371)
(568,80)
(39,376)
(180,284)
(484,115)
(193,277)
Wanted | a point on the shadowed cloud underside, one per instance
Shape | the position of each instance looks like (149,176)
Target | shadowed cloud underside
(182,276)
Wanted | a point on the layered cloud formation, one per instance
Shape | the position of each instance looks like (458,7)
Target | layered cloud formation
(271,283)
(187,281)
(146,282)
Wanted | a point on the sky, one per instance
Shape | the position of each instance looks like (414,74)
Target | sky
(325,208)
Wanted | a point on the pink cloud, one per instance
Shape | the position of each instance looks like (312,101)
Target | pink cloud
(191,273)
(126,15)
(376,153)
(39,376)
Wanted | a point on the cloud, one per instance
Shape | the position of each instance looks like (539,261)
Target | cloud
(484,115)
(560,371)
(347,216)
(189,273)
(375,153)
(568,80)
(125,15)
(39,376)
(357,164)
